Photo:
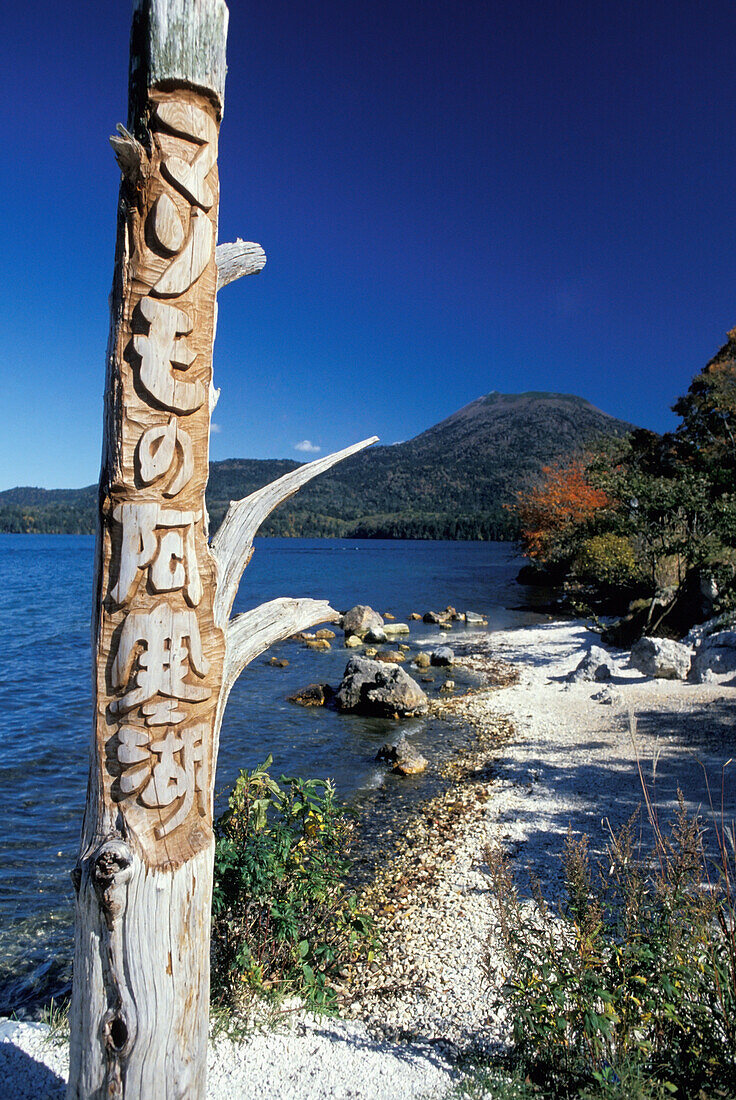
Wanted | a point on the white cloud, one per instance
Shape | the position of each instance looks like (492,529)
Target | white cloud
(215,428)
(307,446)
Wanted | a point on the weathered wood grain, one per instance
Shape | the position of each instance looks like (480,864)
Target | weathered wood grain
(238,259)
(166,651)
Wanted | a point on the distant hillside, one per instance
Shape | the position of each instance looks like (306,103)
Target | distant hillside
(450,481)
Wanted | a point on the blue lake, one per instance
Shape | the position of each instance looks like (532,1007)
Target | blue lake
(45,700)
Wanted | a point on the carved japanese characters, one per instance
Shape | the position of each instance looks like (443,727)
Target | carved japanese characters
(165,450)
(162,650)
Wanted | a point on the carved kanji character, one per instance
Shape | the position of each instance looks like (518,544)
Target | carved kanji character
(157,455)
(131,750)
(170,558)
(172,648)
(165,347)
(172,779)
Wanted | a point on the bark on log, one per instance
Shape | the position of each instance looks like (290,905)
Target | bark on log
(166,655)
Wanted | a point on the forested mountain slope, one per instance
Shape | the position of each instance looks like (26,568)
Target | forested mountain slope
(450,481)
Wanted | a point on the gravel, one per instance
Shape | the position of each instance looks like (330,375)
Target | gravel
(312,1059)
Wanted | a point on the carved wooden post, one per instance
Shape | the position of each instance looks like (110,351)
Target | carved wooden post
(166,650)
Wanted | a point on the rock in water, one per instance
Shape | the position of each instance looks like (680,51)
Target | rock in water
(661,658)
(353,641)
(595,666)
(376,634)
(391,657)
(406,760)
(315,695)
(359,620)
(422,660)
(441,656)
(369,687)
(396,628)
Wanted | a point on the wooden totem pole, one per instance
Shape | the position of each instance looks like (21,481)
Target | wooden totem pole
(166,650)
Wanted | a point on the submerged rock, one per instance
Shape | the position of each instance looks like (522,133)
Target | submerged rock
(317,643)
(405,758)
(278,662)
(391,657)
(661,658)
(315,695)
(372,688)
(474,618)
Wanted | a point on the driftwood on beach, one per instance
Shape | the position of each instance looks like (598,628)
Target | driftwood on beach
(166,649)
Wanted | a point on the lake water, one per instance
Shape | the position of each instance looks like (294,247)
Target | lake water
(45,701)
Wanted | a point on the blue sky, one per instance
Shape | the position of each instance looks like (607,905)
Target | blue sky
(454,197)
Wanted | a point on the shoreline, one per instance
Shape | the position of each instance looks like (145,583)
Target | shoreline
(545,755)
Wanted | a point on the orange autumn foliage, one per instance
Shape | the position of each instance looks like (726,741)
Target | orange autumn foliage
(564,501)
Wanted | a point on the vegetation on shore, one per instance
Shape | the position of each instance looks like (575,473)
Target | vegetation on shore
(629,989)
(284,922)
(646,525)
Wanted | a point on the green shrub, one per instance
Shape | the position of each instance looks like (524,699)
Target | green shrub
(608,560)
(634,980)
(283,921)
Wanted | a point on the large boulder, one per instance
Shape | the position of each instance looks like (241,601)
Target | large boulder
(661,658)
(715,656)
(370,687)
(360,619)
(697,635)
(595,667)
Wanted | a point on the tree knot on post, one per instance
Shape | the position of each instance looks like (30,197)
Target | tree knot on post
(116,1032)
(112,868)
